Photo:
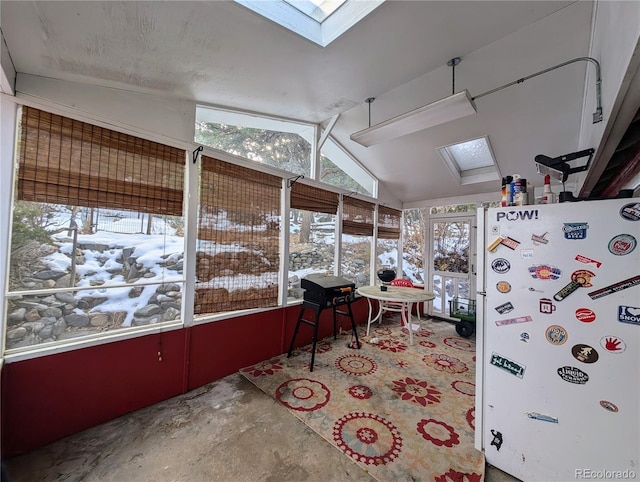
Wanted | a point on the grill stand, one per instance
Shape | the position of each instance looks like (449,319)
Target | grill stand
(317,309)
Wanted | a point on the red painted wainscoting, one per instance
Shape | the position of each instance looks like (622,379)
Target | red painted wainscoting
(47,398)
(50,397)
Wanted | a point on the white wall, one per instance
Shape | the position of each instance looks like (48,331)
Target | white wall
(615,39)
(170,118)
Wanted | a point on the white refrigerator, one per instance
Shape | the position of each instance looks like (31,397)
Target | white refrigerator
(558,340)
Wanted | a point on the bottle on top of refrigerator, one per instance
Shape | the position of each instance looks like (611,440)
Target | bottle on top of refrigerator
(548,197)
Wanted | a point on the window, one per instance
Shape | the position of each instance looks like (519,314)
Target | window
(471,161)
(357,236)
(321,21)
(388,239)
(97,232)
(312,234)
(283,144)
(341,170)
(238,252)
(413,245)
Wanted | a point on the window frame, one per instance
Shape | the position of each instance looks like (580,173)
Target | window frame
(190,203)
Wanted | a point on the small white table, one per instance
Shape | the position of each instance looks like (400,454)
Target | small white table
(399,299)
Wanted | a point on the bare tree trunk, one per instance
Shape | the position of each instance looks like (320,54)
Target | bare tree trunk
(305,227)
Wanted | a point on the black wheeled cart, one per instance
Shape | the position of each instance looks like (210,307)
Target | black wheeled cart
(465,311)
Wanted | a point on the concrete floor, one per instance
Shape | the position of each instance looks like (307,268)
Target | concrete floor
(228,430)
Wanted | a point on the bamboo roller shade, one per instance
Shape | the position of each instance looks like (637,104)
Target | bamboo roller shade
(389,222)
(310,198)
(357,217)
(65,161)
(240,207)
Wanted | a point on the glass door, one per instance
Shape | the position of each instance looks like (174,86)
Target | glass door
(452,239)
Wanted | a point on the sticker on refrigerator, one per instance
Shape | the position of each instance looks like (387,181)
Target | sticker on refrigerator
(584,353)
(510,366)
(556,335)
(539,238)
(573,375)
(575,230)
(546,306)
(607,405)
(585,260)
(500,265)
(528,214)
(629,314)
(545,272)
(513,321)
(622,244)
(631,211)
(503,287)
(613,344)
(497,439)
(583,276)
(510,242)
(544,418)
(585,315)
(566,291)
(494,244)
(525,337)
(504,308)
(526,253)
(614,288)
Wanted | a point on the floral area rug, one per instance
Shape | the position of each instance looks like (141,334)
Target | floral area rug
(403,412)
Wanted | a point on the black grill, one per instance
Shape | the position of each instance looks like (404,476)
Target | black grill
(325,292)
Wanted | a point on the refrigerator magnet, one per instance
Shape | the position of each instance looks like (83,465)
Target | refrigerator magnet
(546,306)
(584,353)
(583,276)
(526,253)
(494,245)
(622,244)
(613,344)
(510,242)
(556,335)
(503,286)
(585,315)
(513,321)
(614,288)
(504,308)
(513,367)
(585,260)
(631,211)
(566,291)
(573,375)
(539,238)
(607,405)
(629,314)
(575,230)
(545,272)
(544,418)
(500,265)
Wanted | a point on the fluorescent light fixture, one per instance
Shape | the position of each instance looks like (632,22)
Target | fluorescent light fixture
(444,110)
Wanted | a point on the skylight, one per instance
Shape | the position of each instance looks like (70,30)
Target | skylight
(471,161)
(318,10)
(321,21)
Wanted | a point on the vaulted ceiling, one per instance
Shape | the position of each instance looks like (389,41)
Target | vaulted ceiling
(220,53)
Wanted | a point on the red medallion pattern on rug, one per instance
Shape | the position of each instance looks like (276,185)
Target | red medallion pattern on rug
(401,411)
